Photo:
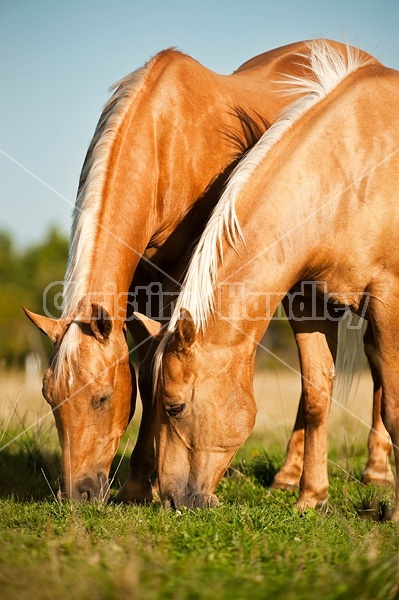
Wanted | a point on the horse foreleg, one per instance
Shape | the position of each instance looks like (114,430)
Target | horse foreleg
(317,366)
(378,470)
(317,345)
(137,488)
(385,326)
(316,341)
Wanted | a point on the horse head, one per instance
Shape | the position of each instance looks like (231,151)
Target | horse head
(206,410)
(91,388)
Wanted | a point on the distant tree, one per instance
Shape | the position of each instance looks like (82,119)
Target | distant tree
(24,275)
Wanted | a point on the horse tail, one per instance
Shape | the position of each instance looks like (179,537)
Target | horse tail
(350,355)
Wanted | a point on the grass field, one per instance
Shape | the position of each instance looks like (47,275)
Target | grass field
(255,545)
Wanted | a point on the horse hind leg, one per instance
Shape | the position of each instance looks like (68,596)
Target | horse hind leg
(289,476)
(385,326)
(378,469)
(137,488)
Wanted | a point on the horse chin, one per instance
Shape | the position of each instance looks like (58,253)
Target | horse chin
(93,489)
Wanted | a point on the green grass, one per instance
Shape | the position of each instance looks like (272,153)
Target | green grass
(255,545)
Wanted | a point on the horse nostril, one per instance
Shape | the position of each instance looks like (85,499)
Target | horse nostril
(85,496)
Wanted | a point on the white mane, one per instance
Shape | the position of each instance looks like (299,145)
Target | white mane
(89,199)
(327,69)
(88,208)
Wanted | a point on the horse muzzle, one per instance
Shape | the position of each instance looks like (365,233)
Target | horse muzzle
(86,489)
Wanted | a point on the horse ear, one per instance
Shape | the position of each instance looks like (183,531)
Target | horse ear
(51,327)
(100,323)
(153,328)
(185,332)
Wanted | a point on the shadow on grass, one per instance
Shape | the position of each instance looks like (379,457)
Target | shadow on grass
(375,504)
(261,468)
(119,471)
(30,474)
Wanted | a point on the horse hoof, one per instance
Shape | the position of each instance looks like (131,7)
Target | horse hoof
(306,503)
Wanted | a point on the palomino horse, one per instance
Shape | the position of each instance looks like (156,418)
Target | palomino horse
(162,150)
(314,200)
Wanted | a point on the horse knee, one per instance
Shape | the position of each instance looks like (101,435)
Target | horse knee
(315,409)
(317,395)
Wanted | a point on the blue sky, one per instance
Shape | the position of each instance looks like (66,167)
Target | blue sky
(59,58)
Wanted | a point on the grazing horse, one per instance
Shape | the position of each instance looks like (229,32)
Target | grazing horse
(316,200)
(161,153)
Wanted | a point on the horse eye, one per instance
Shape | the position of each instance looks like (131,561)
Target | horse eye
(175,410)
(99,401)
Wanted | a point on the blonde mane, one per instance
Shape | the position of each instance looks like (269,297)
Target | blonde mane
(327,69)
(88,208)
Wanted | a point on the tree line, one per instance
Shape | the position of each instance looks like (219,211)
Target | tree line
(24,274)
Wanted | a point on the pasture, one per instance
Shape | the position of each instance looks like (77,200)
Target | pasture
(255,545)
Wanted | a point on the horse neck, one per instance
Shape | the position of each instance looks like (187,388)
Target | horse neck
(281,245)
(124,230)
(296,211)
(252,283)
